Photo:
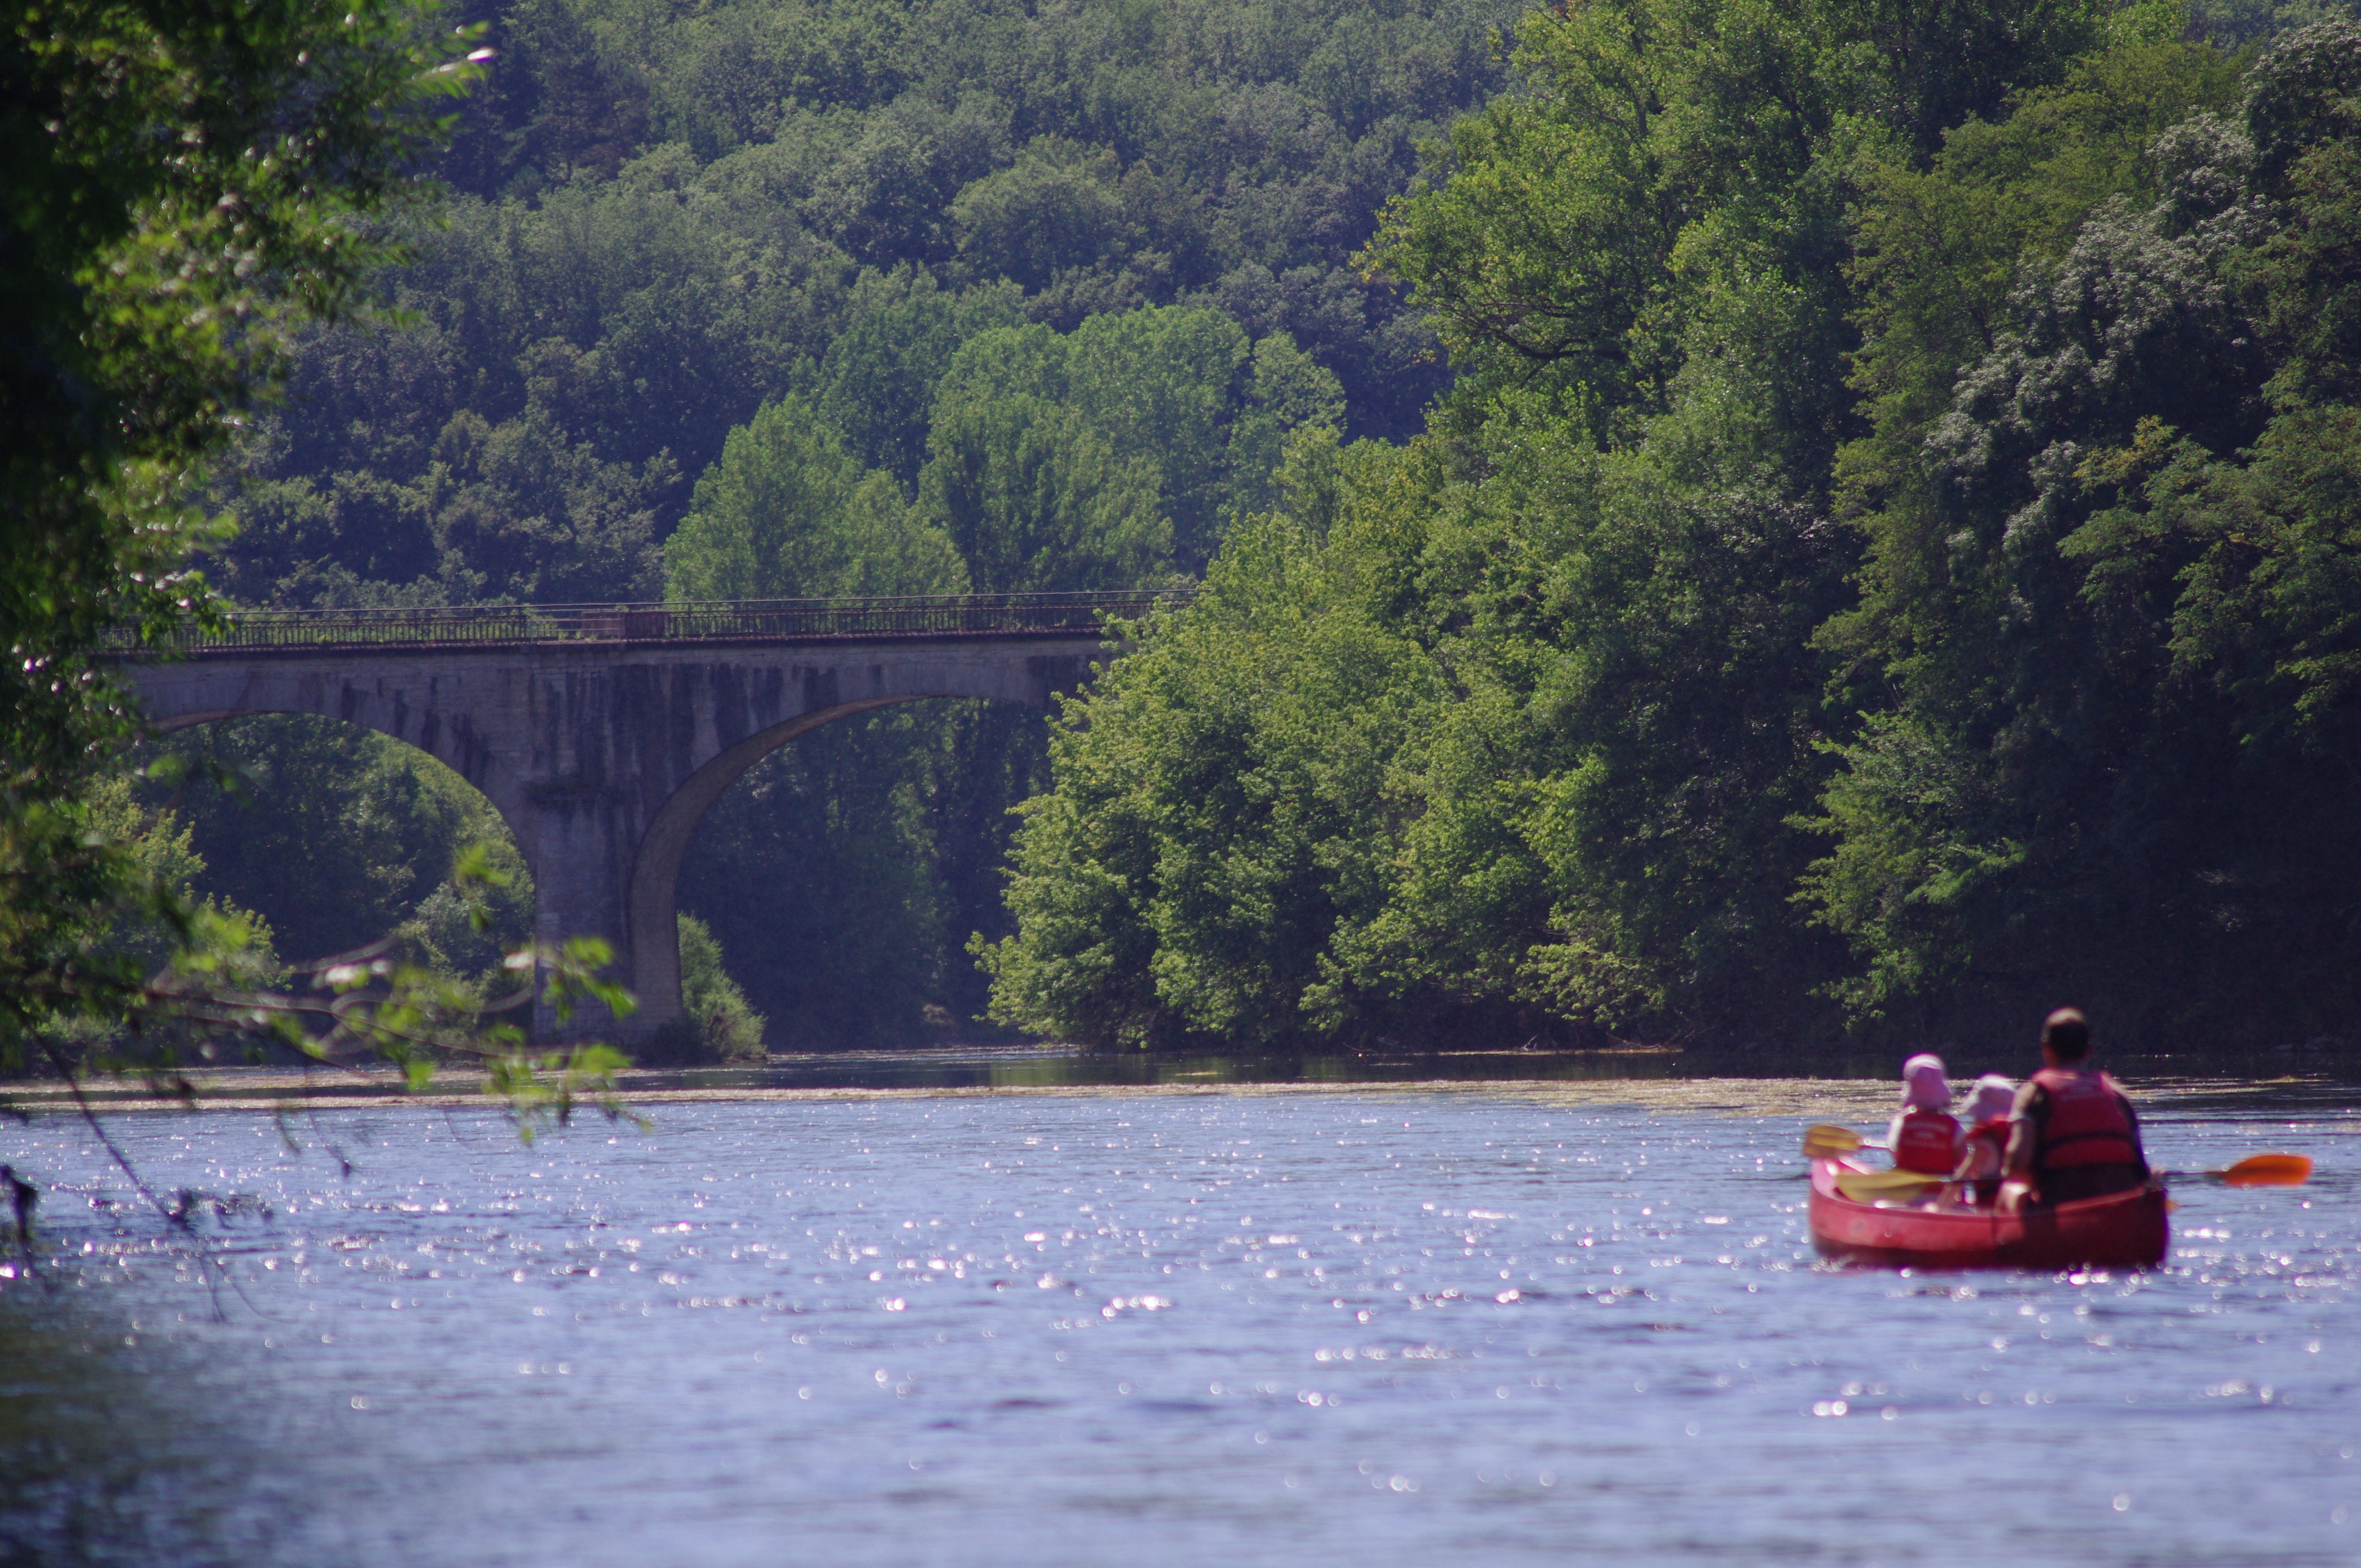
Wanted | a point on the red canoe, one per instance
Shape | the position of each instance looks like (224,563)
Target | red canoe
(2121,1230)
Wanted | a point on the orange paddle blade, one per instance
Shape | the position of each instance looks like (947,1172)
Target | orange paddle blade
(2270,1170)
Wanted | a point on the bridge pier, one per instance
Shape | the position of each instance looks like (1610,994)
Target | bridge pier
(602,754)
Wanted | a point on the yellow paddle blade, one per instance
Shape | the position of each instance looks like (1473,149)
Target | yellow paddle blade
(2270,1170)
(1868,1186)
(1825,1142)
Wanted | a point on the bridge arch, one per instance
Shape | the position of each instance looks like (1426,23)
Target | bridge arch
(652,903)
(602,749)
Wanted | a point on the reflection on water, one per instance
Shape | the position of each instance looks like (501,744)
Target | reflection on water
(1390,1322)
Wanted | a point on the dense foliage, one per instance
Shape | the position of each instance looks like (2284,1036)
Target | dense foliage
(1890,560)
(668,218)
(179,188)
(987,294)
(183,189)
(1882,557)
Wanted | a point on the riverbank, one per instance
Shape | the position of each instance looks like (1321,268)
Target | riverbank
(1637,1075)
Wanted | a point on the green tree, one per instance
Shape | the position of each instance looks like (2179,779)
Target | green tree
(786,513)
(668,221)
(1165,385)
(179,190)
(1183,391)
(181,187)
(1287,392)
(727,1025)
(1222,801)
(1037,501)
(880,377)
(2105,763)
(2037,204)
(1057,209)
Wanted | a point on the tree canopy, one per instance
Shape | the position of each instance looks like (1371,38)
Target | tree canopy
(1716,522)
(664,228)
(1886,564)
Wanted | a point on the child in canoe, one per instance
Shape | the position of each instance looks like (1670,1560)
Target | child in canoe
(1924,1134)
(1987,1135)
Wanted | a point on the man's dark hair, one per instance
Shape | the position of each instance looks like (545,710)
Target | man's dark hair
(2067,1034)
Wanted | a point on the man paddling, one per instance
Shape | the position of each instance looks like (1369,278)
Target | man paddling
(2072,1133)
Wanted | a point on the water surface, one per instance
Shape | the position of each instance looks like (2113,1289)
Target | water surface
(1528,1322)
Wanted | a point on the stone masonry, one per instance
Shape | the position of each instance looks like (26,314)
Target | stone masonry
(601,756)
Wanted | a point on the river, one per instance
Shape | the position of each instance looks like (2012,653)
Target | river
(1390,1324)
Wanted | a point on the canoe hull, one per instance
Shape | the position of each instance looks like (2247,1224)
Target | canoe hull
(2123,1230)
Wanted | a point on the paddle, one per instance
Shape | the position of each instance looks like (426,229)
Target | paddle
(1825,1141)
(1822,1141)
(2258,1170)
(2266,1171)
(1868,1186)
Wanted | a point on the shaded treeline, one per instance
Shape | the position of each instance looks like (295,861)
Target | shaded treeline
(1891,560)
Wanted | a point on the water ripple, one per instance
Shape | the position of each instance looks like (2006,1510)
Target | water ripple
(1532,1322)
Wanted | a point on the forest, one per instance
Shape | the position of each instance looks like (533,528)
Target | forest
(791,300)
(1717,522)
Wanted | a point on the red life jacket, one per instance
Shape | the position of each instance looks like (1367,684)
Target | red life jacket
(1993,1133)
(2089,1122)
(1927,1142)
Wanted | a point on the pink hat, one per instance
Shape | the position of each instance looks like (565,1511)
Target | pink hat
(1995,1096)
(1925,1086)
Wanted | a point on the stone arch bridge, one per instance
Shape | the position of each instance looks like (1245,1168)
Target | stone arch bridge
(603,732)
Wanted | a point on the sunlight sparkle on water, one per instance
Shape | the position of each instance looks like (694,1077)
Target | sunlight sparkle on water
(1390,1322)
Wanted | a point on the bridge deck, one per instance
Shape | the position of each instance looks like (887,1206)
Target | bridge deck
(769,622)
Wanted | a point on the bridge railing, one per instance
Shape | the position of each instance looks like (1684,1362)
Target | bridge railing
(952,615)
